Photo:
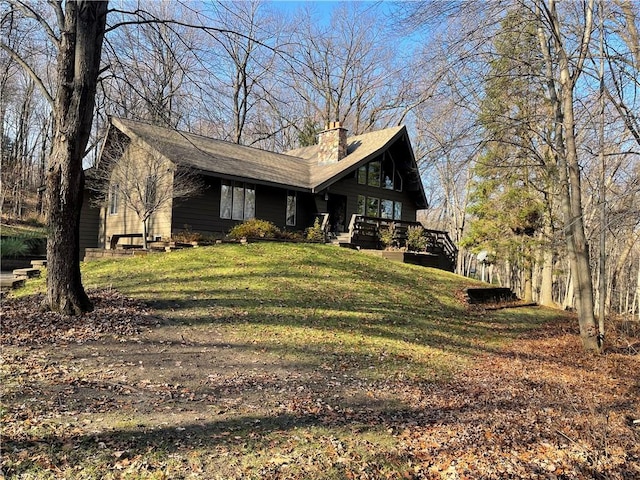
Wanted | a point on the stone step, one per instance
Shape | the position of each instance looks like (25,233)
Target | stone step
(38,263)
(24,273)
(11,283)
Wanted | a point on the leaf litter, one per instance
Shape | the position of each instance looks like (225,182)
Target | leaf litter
(118,390)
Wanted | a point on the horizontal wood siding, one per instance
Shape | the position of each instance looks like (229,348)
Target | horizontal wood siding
(202,213)
(89,225)
(126,220)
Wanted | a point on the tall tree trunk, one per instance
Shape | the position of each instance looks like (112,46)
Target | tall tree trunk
(546,283)
(78,68)
(574,232)
(561,90)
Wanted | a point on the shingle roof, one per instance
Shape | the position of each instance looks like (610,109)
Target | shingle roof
(297,168)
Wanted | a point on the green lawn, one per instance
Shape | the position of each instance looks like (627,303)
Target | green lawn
(270,361)
(314,300)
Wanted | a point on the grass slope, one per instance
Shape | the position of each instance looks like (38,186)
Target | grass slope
(271,361)
(315,300)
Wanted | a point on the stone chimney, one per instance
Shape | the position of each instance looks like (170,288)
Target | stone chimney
(332,144)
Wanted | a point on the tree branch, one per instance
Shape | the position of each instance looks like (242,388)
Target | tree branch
(34,76)
(31,13)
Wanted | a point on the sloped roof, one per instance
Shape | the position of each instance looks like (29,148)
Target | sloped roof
(217,156)
(297,168)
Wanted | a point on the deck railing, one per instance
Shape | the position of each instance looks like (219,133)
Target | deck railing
(365,232)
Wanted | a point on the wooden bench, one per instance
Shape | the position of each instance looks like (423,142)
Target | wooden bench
(113,242)
(490,295)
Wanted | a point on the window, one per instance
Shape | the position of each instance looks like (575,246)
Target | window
(362,200)
(237,209)
(249,201)
(373,205)
(113,199)
(362,175)
(397,210)
(226,199)
(373,179)
(397,182)
(237,200)
(380,174)
(386,209)
(387,174)
(381,208)
(291,209)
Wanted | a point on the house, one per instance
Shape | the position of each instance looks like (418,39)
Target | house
(348,181)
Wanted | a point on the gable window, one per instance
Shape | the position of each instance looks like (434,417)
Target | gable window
(113,199)
(237,200)
(291,209)
(362,175)
(369,174)
(398,182)
(387,174)
(380,174)
(373,177)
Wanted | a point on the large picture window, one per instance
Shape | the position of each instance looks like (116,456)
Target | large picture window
(397,210)
(291,209)
(379,208)
(237,200)
(373,205)
(386,209)
(362,200)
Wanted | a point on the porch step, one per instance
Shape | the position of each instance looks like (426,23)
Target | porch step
(340,238)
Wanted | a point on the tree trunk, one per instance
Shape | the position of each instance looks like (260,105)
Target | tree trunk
(78,68)
(574,226)
(546,284)
(527,282)
(145,228)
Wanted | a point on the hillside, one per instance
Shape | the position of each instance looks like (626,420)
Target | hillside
(304,361)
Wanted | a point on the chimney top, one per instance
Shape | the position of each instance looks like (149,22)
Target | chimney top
(332,143)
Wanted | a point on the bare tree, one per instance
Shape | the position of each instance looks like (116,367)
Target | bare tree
(77,31)
(346,71)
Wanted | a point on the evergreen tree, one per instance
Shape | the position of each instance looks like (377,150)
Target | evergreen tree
(507,206)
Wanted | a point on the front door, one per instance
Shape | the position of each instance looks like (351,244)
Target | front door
(337,209)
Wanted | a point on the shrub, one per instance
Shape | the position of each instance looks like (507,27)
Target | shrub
(416,241)
(315,233)
(187,235)
(290,236)
(254,228)
(387,235)
(12,247)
